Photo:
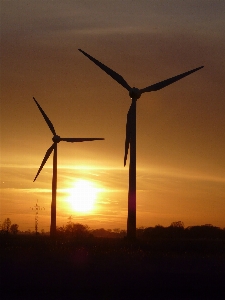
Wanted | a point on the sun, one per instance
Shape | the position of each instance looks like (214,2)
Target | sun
(82,196)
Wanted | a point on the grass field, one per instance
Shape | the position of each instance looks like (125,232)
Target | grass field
(37,267)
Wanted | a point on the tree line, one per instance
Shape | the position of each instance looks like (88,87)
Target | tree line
(175,230)
(7,227)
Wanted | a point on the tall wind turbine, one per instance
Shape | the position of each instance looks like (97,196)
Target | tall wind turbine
(56,139)
(130,140)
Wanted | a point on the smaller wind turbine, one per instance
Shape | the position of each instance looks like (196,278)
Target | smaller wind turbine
(56,139)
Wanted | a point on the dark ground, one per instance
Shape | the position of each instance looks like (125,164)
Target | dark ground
(40,268)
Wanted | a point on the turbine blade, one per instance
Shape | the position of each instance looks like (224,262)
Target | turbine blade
(109,71)
(73,140)
(164,83)
(127,143)
(50,125)
(47,154)
(128,133)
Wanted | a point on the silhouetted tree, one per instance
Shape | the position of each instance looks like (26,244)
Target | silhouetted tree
(178,224)
(101,232)
(176,230)
(14,228)
(6,225)
(74,230)
(108,233)
(116,230)
(80,231)
(204,232)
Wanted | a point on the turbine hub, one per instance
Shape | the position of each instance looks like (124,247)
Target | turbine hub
(56,138)
(135,93)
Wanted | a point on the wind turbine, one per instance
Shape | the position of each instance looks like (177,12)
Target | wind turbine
(130,140)
(56,139)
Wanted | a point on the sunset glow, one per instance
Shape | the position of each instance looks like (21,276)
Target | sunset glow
(180,129)
(83,196)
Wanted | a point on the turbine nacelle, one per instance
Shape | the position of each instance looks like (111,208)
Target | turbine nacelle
(56,139)
(135,93)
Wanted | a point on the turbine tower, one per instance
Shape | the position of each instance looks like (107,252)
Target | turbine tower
(130,140)
(56,139)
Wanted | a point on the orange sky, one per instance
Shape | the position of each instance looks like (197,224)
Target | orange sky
(180,129)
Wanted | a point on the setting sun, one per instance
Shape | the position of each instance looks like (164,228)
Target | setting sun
(83,195)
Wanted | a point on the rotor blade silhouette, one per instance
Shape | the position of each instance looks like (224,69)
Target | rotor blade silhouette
(47,154)
(127,143)
(73,140)
(109,71)
(50,125)
(130,117)
(164,83)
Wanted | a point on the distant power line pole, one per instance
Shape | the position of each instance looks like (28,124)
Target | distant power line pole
(36,208)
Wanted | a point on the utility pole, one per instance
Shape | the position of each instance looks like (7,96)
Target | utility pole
(36,208)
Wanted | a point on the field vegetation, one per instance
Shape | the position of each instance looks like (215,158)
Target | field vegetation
(162,263)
